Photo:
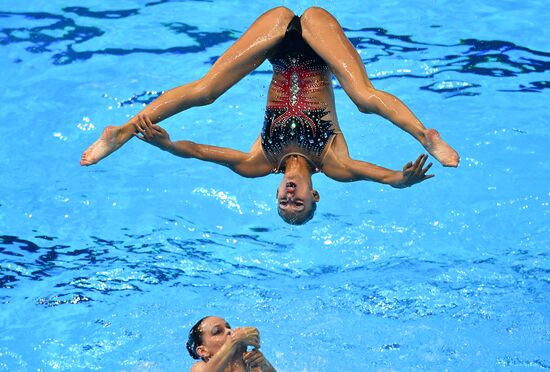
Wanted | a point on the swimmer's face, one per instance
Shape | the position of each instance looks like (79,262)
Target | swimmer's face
(214,333)
(296,199)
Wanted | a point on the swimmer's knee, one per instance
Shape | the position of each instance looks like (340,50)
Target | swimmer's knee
(315,12)
(282,11)
(281,14)
(314,18)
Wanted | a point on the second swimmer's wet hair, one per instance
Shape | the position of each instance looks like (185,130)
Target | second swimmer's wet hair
(195,339)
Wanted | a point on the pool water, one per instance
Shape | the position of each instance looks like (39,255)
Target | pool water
(108,267)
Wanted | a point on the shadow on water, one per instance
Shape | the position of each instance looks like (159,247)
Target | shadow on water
(492,58)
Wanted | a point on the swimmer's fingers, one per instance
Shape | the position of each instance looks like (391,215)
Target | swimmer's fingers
(142,135)
(139,125)
(253,341)
(149,131)
(140,131)
(424,170)
(153,134)
(144,126)
(427,176)
(407,166)
(247,336)
(411,167)
(147,120)
(419,164)
(414,173)
(143,138)
(417,161)
(158,129)
(254,359)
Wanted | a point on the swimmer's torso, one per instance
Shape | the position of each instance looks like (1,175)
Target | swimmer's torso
(300,115)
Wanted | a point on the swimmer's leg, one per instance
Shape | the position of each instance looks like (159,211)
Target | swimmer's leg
(247,53)
(324,34)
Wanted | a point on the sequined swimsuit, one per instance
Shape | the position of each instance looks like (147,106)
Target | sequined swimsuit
(293,122)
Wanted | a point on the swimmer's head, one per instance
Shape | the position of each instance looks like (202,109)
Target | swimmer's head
(296,200)
(207,337)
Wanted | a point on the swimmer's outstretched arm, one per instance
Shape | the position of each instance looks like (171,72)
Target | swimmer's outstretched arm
(324,34)
(349,170)
(245,55)
(247,164)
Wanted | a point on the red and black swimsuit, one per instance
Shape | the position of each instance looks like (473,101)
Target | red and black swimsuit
(293,122)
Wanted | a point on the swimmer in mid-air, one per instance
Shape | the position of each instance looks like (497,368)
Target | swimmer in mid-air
(221,348)
(301,134)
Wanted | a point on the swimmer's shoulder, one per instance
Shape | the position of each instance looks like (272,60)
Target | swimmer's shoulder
(198,367)
(337,148)
(336,160)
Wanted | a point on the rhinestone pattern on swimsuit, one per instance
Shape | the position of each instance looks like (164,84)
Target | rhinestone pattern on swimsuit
(294,121)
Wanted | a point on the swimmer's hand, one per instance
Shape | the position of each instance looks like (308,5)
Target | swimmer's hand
(246,336)
(413,173)
(151,133)
(255,361)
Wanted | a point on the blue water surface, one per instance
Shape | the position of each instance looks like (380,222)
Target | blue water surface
(108,267)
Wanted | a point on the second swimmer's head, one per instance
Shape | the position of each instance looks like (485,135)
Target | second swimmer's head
(207,337)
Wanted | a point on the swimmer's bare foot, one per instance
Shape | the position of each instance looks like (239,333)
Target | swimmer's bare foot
(440,149)
(108,142)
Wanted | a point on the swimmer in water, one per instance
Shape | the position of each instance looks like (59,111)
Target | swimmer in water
(301,134)
(221,348)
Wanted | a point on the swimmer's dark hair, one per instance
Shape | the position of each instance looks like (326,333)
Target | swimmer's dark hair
(195,339)
(296,221)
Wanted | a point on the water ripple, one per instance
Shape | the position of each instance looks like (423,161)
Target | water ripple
(58,34)
(63,33)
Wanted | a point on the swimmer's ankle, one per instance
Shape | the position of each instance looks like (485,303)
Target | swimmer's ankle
(423,136)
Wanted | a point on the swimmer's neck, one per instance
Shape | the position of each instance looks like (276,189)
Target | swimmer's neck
(297,165)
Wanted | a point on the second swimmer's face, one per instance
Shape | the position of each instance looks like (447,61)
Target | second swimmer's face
(214,333)
(296,201)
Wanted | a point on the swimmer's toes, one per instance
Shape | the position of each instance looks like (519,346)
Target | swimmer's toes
(87,159)
(453,162)
(84,160)
(448,157)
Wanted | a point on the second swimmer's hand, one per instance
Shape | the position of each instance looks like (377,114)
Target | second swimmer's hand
(151,133)
(246,336)
(255,360)
(414,173)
